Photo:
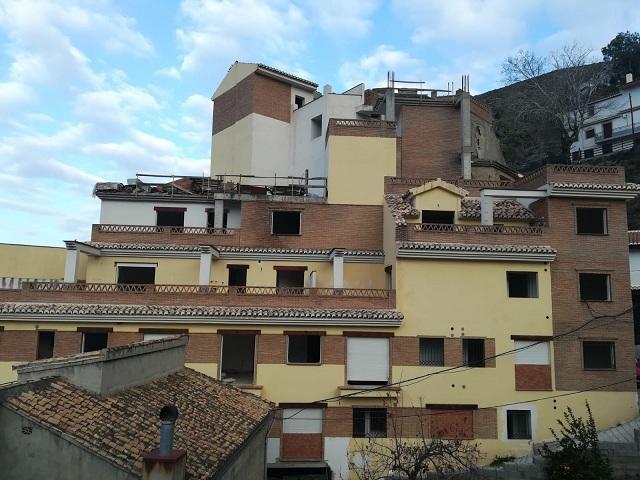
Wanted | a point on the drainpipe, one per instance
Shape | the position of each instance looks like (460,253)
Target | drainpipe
(165,463)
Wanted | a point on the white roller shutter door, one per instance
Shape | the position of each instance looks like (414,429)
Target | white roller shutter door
(367,360)
(302,420)
(534,355)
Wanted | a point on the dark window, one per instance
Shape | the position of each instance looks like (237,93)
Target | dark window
(591,221)
(388,273)
(599,355)
(588,153)
(237,364)
(519,424)
(299,101)
(94,341)
(607,130)
(473,352)
(432,352)
(238,276)
(591,110)
(211,218)
(45,345)
(141,275)
(316,126)
(590,133)
(293,279)
(595,287)
(369,422)
(285,223)
(304,349)
(522,284)
(437,216)
(607,147)
(170,219)
(575,156)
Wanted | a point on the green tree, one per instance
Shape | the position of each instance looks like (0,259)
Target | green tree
(624,54)
(577,455)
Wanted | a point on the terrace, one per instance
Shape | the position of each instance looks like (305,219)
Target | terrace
(201,295)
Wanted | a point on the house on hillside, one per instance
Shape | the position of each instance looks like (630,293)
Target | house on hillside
(357,258)
(95,415)
(613,124)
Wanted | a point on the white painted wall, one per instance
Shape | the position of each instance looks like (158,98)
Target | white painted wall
(119,212)
(335,453)
(271,146)
(634,266)
(273,450)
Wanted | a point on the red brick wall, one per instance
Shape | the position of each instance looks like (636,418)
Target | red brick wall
(338,422)
(18,345)
(452,352)
(431,142)
(408,422)
(333,350)
(203,348)
(67,343)
(361,128)
(253,94)
(485,423)
(271,349)
(452,423)
(533,377)
(117,339)
(301,446)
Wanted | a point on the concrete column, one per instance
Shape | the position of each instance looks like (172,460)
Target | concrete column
(313,279)
(218,213)
(206,256)
(486,209)
(467,147)
(71,263)
(337,257)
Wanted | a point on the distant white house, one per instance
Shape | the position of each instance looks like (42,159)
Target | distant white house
(613,124)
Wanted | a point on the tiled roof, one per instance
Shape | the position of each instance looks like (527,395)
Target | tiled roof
(507,209)
(632,187)
(194,311)
(475,247)
(144,246)
(214,419)
(400,208)
(282,72)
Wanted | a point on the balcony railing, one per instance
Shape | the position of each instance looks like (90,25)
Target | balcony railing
(617,133)
(255,296)
(500,229)
(107,228)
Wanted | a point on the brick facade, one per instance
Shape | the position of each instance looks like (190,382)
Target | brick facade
(405,351)
(117,339)
(334,350)
(431,141)
(18,345)
(67,343)
(272,349)
(253,94)
(451,424)
(203,348)
(485,423)
(408,422)
(338,422)
(533,377)
(452,352)
(301,446)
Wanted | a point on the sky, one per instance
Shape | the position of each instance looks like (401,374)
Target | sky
(100,90)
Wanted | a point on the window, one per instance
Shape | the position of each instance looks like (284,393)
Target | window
(607,147)
(285,223)
(367,361)
(531,352)
(591,221)
(598,355)
(437,216)
(211,218)
(293,279)
(432,352)
(595,287)
(303,349)
(45,345)
(588,153)
(607,130)
(575,155)
(591,110)
(238,353)
(92,341)
(522,284)
(388,276)
(133,274)
(590,133)
(369,422)
(238,275)
(170,217)
(519,424)
(299,101)
(473,352)
(316,126)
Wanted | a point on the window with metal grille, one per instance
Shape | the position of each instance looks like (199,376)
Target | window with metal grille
(473,352)
(432,352)
(519,424)
(369,422)
(599,354)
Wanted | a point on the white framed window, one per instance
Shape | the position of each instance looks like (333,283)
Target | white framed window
(533,353)
(367,361)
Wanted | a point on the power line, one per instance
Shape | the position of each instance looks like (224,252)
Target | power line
(419,378)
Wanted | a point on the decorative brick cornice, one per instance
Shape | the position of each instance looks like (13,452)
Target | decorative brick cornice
(590,190)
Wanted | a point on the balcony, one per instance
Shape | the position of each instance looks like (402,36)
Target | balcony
(139,294)
(164,235)
(481,234)
(617,133)
(571,174)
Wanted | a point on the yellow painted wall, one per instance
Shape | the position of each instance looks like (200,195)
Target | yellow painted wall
(436,199)
(31,261)
(7,374)
(178,271)
(357,167)
(232,148)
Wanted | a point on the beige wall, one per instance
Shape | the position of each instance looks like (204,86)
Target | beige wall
(357,167)
(31,261)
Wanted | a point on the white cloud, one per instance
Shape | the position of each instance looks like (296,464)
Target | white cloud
(372,68)
(171,72)
(14,94)
(345,18)
(218,32)
(115,107)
